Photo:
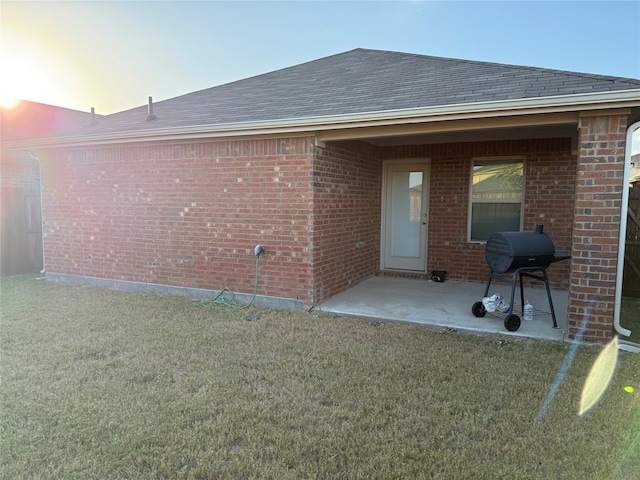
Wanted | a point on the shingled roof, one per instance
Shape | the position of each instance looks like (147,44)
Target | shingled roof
(359,81)
(35,120)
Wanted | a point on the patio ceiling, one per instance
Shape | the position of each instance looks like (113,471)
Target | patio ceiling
(455,131)
(513,133)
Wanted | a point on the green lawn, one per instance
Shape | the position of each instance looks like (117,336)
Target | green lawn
(630,317)
(101,384)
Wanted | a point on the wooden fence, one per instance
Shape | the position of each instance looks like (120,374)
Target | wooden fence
(631,279)
(20,230)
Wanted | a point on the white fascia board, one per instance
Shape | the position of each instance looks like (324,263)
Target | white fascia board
(311,125)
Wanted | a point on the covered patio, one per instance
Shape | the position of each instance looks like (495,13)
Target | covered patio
(448,305)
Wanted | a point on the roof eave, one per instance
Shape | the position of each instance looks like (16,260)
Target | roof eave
(297,126)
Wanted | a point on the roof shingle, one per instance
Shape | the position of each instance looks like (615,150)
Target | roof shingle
(358,81)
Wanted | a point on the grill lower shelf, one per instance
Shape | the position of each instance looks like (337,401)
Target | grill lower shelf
(512,321)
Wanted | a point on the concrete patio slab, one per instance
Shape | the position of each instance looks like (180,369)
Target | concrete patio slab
(448,305)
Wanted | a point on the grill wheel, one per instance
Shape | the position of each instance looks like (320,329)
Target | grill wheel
(478,310)
(512,322)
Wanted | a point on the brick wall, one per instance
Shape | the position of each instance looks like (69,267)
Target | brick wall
(550,185)
(184,214)
(189,214)
(596,226)
(348,189)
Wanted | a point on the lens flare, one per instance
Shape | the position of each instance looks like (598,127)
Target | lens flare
(599,376)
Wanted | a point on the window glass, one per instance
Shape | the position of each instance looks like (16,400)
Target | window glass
(406,207)
(496,198)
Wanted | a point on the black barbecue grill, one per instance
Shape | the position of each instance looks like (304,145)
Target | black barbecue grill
(523,254)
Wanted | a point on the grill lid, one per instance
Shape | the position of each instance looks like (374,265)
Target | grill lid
(510,250)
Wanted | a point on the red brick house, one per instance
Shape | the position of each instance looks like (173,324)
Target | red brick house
(321,162)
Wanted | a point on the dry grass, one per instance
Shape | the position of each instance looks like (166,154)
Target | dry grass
(106,384)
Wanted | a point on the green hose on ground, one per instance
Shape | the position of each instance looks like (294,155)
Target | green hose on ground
(229,302)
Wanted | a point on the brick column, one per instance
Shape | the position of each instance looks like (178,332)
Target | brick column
(596,225)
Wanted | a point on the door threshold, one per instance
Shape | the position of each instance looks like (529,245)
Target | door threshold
(402,274)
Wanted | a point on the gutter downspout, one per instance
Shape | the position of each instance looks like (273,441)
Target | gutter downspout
(622,344)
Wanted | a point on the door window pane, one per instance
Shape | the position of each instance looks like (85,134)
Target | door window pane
(406,207)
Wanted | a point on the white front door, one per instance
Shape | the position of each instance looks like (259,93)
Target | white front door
(405,216)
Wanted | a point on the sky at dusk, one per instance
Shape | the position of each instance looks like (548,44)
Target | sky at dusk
(112,55)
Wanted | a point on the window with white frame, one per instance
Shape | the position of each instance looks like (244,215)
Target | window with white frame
(496,197)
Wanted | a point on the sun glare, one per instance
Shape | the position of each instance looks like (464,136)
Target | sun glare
(8,95)
(25,82)
(8,101)
(10,85)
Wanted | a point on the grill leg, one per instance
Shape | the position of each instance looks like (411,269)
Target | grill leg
(546,284)
(486,290)
(521,293)
(514,280)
